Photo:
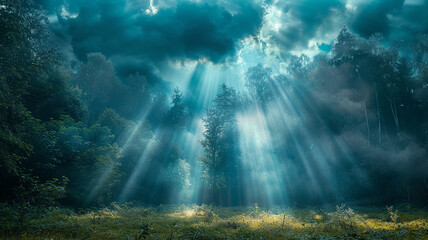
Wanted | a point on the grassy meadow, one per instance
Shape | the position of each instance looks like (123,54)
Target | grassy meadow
(206,222)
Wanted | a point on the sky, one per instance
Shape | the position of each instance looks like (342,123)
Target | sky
(168,40)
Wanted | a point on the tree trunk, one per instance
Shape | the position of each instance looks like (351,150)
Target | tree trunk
(379,118)
(394,114)
(367,124)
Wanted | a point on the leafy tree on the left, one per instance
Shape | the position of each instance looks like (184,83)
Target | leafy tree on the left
(34,88)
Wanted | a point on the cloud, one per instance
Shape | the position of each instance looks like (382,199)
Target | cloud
(138,35)
(300,21)
(123,29)
(303,26)
(373,17)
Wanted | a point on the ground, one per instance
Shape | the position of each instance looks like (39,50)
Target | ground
(207,222)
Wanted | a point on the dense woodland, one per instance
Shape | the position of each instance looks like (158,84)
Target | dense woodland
(350,125)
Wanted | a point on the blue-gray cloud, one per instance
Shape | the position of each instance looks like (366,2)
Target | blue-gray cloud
(302,19)
(319,21)
(136,40)
(372,18)
(185,30)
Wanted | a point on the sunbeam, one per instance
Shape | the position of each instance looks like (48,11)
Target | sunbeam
(264,175)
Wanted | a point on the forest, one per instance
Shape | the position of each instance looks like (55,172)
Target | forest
(125,119)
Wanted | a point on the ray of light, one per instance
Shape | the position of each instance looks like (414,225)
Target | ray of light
(139,170)
(264,182)
(192,148)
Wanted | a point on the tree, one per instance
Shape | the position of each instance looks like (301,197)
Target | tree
(259,81)
(117,124)
(298,67)
(344,46)
(420,57)
(178,114)
(102,88)
(25,54)
(220,145)
(90,159)
(137,96)
(53,95)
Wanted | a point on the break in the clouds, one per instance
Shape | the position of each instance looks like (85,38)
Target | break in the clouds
(308,26)
(294,23)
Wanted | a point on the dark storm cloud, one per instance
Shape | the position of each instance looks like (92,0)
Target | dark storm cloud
(302,19)
(398,21)
(124,32)
(410,21)
(373,17)
(320,21)
(186,30)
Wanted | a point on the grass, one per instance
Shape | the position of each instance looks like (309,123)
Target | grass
(204,222)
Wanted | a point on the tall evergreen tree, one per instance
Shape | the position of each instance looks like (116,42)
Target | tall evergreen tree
(178,114)
(221,148)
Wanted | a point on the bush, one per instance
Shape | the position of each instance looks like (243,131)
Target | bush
(393,215)
(346,219)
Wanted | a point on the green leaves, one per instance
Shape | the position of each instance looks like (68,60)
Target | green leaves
(220,141)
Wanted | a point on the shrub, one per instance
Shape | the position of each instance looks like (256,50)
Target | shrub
(346,219)
(393,215)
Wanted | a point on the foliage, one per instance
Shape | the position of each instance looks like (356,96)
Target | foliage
(346,219)
(178,115)
(117,124)
(393,215)
(259,81)
(204,222)
(100,84)
(220,142)
(32,195)
(31,85)
(21,23)
(179,173)
(55,94)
